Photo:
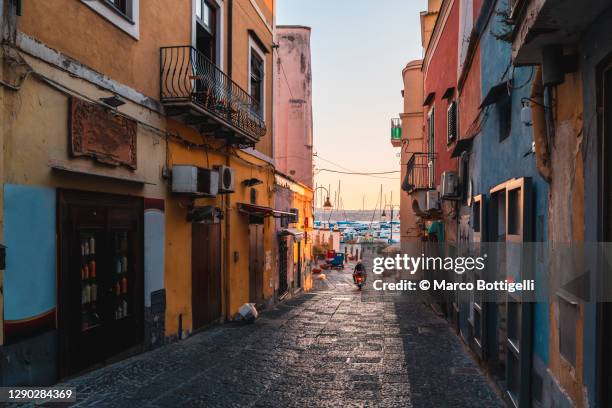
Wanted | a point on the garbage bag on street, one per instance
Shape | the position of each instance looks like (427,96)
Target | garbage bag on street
(247,312)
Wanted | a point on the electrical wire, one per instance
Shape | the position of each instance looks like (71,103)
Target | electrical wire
(351,170)
(280,62)
(359,173)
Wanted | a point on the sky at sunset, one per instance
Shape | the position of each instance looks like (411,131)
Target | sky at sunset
(359,48)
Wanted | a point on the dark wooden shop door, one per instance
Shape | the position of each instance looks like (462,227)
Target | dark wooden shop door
(205,273)
(100,292)
(256,263)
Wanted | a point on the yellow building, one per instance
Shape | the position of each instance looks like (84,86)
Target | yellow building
(119,123)
(295,235)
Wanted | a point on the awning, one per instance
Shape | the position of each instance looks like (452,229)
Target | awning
(495,94)
(449,93)
(462,145)
(261,211)
(429,99)
(297,234)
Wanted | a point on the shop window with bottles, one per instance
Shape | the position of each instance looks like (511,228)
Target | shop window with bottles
(90,309)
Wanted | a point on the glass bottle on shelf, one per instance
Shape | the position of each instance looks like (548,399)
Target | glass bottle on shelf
(92,269)
(92,245)
(124,285)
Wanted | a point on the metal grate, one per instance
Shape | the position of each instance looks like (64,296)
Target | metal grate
(452,123)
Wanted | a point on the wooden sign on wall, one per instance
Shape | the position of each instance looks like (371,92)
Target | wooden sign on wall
(101,134)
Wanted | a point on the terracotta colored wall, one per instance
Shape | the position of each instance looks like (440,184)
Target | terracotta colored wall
(74,29)
(246,18)
(293,104)
(439,75)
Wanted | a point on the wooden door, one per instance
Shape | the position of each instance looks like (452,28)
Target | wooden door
(205,273)
(478,305)
(519,227)
(299,265)
(283,262)
(256,263)
(100,283)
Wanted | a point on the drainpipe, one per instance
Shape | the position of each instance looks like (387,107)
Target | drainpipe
(228,259)
(230,29)
(227,255)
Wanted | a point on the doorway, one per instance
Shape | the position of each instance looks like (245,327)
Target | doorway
(299,265)
(283,261)
(606,185)
(205,273)
(101,280)
(256,263)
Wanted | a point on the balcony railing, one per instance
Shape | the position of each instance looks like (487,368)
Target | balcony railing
(396,132)
(192,85)
(420,174)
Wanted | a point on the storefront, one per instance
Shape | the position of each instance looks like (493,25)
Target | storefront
(101,279)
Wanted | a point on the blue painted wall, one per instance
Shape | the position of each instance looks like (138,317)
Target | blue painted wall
(494,162)
(30,237)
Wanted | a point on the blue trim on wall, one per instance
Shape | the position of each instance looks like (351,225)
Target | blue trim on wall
(31,256)
(494,162)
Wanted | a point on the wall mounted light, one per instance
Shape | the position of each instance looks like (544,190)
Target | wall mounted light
(113,101)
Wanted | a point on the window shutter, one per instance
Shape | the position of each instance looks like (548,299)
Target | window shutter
(452,122)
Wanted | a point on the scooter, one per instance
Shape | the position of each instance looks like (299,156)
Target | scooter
(359,281)
(359,275)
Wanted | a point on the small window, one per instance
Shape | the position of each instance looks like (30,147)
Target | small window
(514,211)
(204,13)
(257,81)
(504,109)
(452,123)
(123,14)
(206,30)
(476,216)
(124,7)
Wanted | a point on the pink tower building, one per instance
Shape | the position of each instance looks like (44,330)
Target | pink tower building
(293,104)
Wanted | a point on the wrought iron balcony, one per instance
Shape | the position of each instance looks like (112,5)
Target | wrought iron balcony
(199,94)
(396,132)
(420,172)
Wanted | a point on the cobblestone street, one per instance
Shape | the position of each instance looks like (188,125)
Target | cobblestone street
(324,348)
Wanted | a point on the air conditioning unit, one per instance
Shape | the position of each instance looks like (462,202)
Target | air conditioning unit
(227,179)
(432,200)
(449,185)
(195,180)
(296,215)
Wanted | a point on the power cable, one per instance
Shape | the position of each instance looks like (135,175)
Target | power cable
(359,173)
(351,170)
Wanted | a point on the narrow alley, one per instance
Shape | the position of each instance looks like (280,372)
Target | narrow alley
(324,348)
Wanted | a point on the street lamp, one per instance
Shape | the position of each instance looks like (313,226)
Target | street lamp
(384,215)
(327,205)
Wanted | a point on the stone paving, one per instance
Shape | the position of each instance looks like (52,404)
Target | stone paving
(326,348)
